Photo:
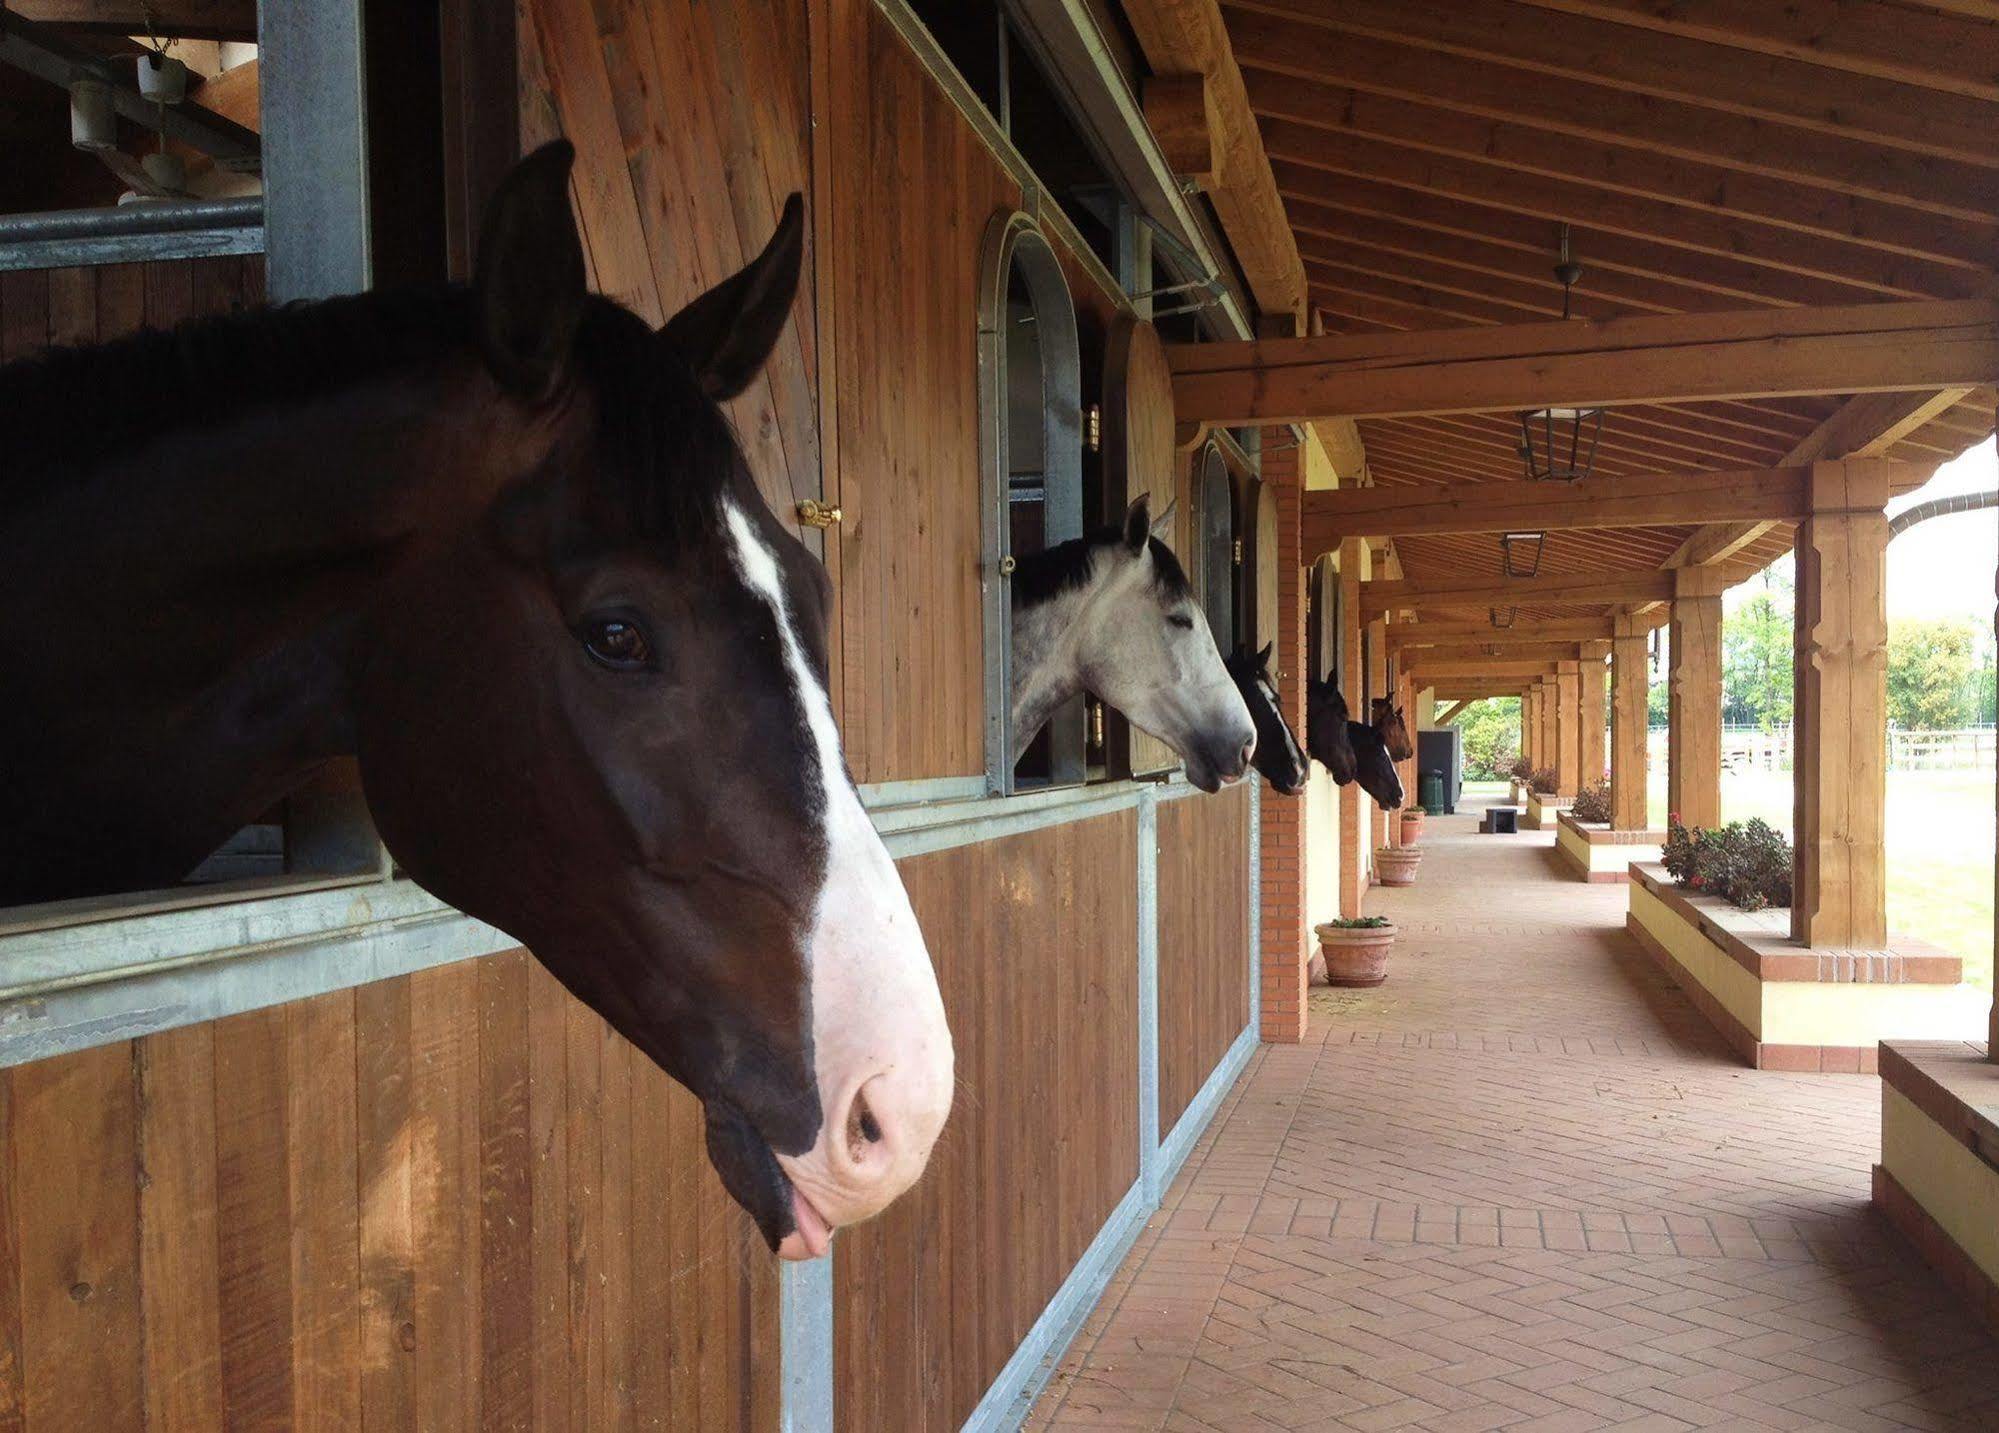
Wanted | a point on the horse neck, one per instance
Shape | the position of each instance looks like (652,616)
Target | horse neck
(1046,662)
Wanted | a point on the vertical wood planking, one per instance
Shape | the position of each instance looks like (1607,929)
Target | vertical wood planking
(1203,941)
(506,1277)
(321,1177)
(1040,983)
(178,1246)
(253,1218)
(387,1230)
(444,1192)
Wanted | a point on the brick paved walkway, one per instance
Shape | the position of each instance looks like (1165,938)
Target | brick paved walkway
(1522,1186)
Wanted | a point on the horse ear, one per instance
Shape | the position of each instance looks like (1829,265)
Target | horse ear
(529,285)
(1263,657)
(1138,522)
(727,334)
(1163,524)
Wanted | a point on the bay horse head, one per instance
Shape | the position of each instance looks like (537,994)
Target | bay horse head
(1374,768)
(500,545)
(1277,755)
(1113,614)
(1326,723)
(1393,731)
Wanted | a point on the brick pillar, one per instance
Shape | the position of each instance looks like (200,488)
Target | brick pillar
(1286,936)
(1593,674)
(1405,698)
(1353,815)
(1629,725)
(1530,724)
(1548,705)
(1693,722)
(1839,757)
(1569,726)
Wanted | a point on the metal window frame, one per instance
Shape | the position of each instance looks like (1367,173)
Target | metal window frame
(1015,240)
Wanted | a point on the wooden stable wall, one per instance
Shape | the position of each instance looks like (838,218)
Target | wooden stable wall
(43,307)
(439,1201)
(1034,937)
(1203,937)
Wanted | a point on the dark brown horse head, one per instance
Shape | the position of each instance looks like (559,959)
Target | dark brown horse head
(1277,758)
(599,720)
(1326,722)
(1393,731)
(1374,768)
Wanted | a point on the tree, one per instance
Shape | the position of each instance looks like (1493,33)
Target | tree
(1756,655)
(1491,730)
(1930,673)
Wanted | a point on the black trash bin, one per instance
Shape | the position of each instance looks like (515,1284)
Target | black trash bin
(1430,791)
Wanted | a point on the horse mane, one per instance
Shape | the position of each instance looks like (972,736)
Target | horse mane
(1045,575)
(68,409)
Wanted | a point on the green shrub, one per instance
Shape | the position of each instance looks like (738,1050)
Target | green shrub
(1746,863)
(1592,803)
(1545,781)
(1358,923)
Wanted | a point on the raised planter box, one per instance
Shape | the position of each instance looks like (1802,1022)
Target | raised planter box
(1596,852)
(1783,1006)
(1938,1179)
(1542,809)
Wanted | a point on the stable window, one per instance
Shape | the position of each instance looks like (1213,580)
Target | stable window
(1215,548)
(1325,629)
(1031,441)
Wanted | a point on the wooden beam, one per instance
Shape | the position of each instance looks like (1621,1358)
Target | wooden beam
(1604,114)
(1575,588)
(1430,633)
(192,19)
(1650,358)
(1655,500)
(1449,713)
(1181,115)
(1874,220)
(1889,42)
(1423,657)
(1430,672)
(1867,425)
(1792,92)
(1187,37)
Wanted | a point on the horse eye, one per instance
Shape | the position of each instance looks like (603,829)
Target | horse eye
(618,644)
(1182,621)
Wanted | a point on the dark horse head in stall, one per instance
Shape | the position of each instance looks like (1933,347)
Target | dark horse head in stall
(1374,768)
(1326,723)
(1393,731)
(1277,755)
(1113,614)
(498,544)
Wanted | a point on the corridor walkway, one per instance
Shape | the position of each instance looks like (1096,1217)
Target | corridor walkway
(1522,1186)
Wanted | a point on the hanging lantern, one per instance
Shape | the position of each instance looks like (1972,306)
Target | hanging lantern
(1559,444)
(1511,543)
(1512,615)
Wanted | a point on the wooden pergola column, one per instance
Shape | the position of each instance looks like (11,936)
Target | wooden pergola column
(1630,724)
(1530,723)
(1593,676)
(1569,726)
(1548,704)
(1353,815)
(1693,713)
(1839,759)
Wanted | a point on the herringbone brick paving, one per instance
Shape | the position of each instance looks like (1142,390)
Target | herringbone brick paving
(1522,1185)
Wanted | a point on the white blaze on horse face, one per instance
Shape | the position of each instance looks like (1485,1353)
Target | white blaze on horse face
(1292,754)
(1167,678)
(879,1037)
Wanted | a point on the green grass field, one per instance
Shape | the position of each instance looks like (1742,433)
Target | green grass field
(1940,836)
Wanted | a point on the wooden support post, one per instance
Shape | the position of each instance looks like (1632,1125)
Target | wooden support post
(1549,705)
(1405,698)
(1592,711)
(1377,686)
(1839,755)
(1530,723)
(1630,724)
(1353,813)
(1569,726)
(1283,830)
(1693,712)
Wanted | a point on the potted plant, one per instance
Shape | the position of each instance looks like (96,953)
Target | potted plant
(1396,865)
(1412,825)
(1522,771)
(1592,804)
(1354,952)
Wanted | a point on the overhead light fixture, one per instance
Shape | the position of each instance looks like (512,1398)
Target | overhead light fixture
(1559,444)
(1512,616)
(1512,542)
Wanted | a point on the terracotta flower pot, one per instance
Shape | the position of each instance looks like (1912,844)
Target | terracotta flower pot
(1355,956)
(1412,825)
(1395,866)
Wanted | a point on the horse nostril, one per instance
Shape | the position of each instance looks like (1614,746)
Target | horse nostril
(870,1130)
(863,1129)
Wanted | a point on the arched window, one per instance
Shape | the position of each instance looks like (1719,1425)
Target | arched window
(1324,628)
(1031,452)
(1214,518)
(1256,615)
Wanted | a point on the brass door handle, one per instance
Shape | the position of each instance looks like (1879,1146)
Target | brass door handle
(813,513)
